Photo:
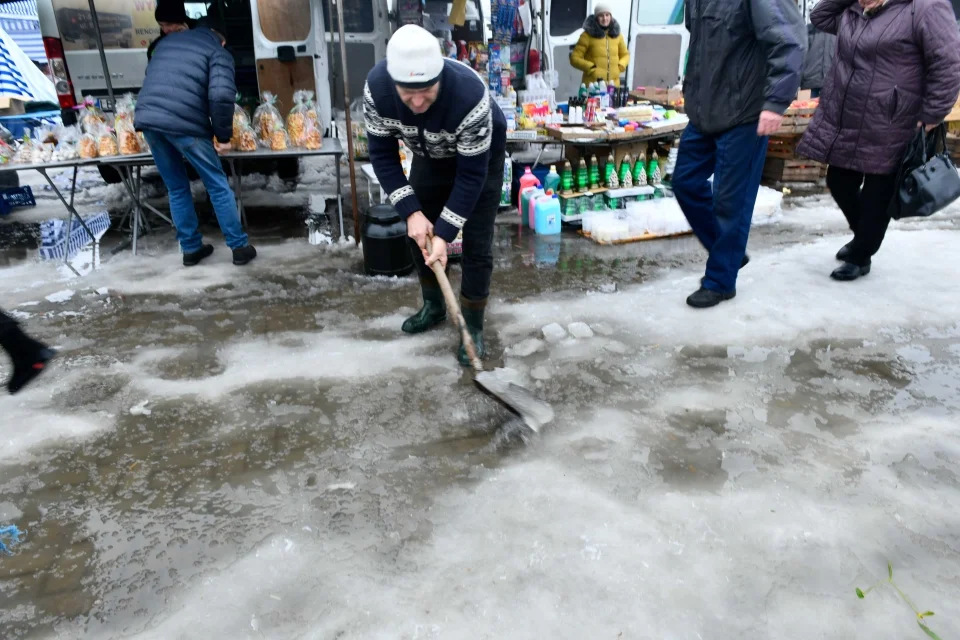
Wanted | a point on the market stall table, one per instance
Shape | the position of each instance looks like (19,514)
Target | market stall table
(125,165)
(43,169)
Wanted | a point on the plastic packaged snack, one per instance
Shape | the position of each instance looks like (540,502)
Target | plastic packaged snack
(267,117)
(7,153)
(303,112)
(144,147)
(67,144)
(87,147)
(92,117)
(244,140)
(313,137)
(129,142)
(107,143)
(279,141)
(25,152)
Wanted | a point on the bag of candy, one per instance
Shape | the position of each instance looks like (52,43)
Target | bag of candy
(127,138)
(266,118)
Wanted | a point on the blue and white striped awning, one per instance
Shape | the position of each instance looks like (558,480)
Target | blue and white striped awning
(12,82)
(19,20)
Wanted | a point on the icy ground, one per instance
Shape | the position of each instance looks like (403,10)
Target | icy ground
(259,453)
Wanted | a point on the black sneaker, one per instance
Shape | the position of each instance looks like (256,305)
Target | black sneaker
(704,298)
(193,259)
(849,271)
(243,255)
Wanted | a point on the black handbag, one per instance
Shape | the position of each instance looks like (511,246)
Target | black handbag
(927,180)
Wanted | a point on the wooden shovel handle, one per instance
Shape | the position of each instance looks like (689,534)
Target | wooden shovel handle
(454,306)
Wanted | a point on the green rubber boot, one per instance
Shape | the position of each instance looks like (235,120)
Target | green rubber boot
(433,312)
(473,311)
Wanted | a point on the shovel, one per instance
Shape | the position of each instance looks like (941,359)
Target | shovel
(517,400)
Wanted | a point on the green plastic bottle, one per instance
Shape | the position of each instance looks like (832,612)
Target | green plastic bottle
(552,181)
(566,180)
(583,177)
(640,172)
(626,180)
(594,173)
(609,170)
(653,173)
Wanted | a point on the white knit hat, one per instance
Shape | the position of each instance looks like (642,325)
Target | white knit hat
(413,57)
(601,7)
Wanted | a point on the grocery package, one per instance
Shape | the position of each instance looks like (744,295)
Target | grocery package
(127,137)
(87,147)
(244,138)
(266,118)
(7,153)
(67,140)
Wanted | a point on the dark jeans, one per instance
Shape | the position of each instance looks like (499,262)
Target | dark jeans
(169,153)
(6,321)
(721,215)
(864,200)
(433,189)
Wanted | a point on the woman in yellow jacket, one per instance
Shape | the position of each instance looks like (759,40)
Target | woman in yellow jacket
(601,52)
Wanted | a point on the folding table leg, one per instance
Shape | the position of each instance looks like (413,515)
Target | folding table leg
(343,235)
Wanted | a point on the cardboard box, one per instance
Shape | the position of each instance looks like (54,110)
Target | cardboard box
(11,107)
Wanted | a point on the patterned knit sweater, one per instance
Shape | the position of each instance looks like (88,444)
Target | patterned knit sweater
(459,133)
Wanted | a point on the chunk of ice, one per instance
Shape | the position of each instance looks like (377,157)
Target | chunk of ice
(140,409)
(554,332)
(525,348)
(541,373)
(580,330)
(60,296)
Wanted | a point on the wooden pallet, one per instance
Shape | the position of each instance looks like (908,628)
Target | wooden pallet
(795,121)
(781,170)
(784,147)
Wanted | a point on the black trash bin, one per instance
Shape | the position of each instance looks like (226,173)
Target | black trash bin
(384,236)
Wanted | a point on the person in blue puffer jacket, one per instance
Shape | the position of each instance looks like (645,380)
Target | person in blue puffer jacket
(187,102)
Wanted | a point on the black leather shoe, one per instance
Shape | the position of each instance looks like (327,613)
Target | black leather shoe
(845,253)
(193,259)
(745,261)
(705,298)
(243,255)
(849,271)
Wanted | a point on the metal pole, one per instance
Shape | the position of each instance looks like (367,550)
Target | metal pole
(349,132)
(103,54)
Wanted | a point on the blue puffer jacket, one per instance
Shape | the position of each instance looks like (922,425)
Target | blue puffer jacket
(190,88)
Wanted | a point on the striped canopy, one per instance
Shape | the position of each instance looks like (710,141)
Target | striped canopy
(19,76)
(19,20)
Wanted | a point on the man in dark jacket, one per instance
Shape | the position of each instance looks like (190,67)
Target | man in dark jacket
(820,49)
(442,111)
(171,16)
(186,102)
(742,74)
(29,356)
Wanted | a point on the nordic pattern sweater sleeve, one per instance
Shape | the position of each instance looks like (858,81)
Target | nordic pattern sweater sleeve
(385,157)
(474,137)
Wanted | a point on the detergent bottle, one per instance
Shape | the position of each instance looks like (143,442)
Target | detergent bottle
(527,180)
(530,196)
(552,181)
(548,215)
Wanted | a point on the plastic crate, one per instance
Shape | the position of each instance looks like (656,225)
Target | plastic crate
(16,197)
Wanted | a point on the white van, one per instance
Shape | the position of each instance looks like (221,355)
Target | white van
(278,45)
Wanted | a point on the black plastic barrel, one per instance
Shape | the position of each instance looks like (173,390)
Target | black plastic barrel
(384,236)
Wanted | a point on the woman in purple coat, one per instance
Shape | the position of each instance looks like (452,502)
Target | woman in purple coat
(897,68)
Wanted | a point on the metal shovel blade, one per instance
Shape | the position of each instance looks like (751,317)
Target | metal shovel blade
(535,413)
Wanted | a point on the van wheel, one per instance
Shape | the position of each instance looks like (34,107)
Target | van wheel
(9,180)
(288,168)
(109,174)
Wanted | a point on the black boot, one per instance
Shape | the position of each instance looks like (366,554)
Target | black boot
(433,312)
(846,252)
(473,311)
(849,271)
(704,298)
(29,356)
(243,255)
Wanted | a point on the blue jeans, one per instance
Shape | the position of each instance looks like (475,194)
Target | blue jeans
(721,215)
(169,152)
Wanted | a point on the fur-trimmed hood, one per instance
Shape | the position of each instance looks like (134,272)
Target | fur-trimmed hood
(594,30)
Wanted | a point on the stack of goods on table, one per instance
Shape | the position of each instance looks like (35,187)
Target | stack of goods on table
(301,130)
(783,166)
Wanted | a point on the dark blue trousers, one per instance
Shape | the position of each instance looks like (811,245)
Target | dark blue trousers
(721,215)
